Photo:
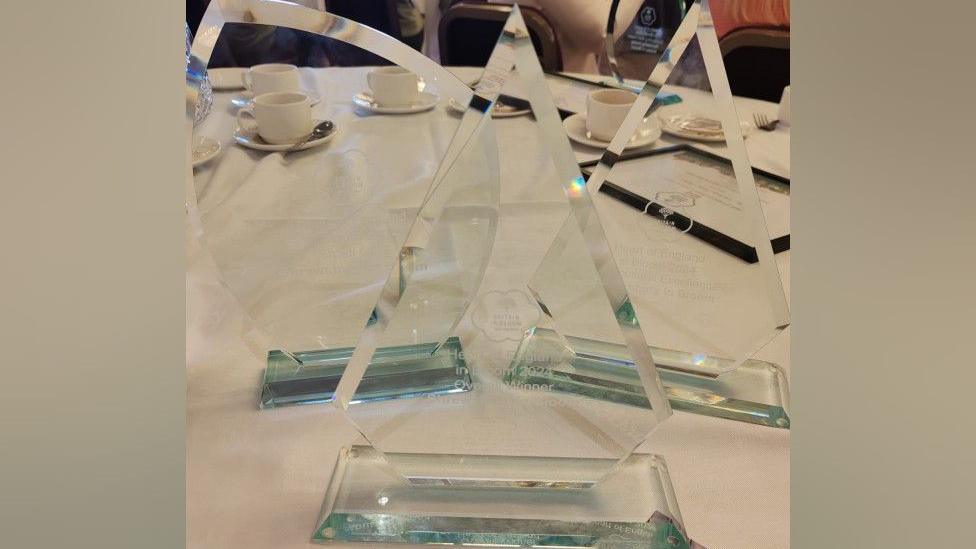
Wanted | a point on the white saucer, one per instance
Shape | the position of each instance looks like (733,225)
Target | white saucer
(204,150)
(500,110)
(251,140)
(425,101)
(647,133)
(698,127)
(245,97)
(226,79)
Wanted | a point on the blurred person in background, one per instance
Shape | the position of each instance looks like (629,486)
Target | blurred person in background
(411,21)
(579,26)
(244,45)
(642,28)
(654,22)
(729,15)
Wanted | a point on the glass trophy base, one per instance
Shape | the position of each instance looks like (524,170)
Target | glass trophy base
(755,392)
(395,372)
(498,501)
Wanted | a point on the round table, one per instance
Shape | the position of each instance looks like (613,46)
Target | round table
(257,478)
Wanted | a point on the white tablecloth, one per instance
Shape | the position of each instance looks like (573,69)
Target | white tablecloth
(256,479)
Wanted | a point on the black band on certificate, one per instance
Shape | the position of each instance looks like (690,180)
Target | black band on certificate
(479,103)
(609,158)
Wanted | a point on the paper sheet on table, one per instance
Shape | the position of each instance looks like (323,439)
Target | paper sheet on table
(705,190)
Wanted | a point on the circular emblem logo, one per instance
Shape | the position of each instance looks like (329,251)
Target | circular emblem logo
(648,16)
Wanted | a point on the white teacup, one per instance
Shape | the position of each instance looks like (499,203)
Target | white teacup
(606,110)
(271,77)
(279,118)
(393,86)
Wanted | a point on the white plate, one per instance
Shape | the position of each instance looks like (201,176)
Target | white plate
(500,110)
(226,79)
(204,150)
(647,133)
(425,101)
(245,97)
(251,140)
(698,127)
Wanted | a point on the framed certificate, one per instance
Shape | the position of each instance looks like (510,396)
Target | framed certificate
(697,191)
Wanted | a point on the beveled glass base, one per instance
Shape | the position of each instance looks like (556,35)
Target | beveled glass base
(755,392)
(395,372)
(499,502)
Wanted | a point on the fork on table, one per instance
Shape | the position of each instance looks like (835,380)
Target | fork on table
(763,122)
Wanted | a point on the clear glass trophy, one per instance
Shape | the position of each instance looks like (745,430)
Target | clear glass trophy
(693,227)
(463,292)
(638,34)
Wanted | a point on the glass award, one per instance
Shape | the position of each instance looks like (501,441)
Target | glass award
(688,227)
(303,237)
(392,252)
(638,33)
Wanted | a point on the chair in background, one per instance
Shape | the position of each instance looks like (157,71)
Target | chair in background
(468,32)
(757,61)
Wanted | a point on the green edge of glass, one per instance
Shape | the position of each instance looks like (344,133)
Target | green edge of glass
(369,502)
(406,371)
(658,533)
(754,392)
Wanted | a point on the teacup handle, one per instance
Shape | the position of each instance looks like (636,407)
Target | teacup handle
(246,120)
(246,78)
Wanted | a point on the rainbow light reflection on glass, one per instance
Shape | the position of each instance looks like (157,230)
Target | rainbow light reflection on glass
(577,187)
